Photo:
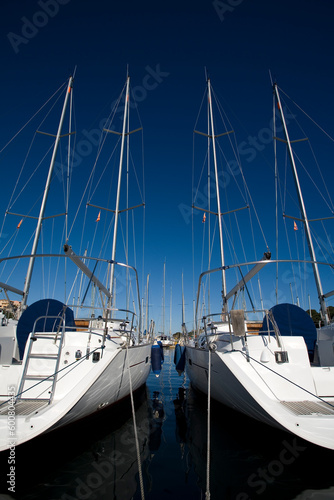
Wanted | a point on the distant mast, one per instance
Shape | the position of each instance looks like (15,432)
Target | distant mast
(184,330)
(303,212)
(164,300)
(43,204)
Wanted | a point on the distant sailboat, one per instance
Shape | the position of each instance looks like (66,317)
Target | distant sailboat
(165,340)
(180,349)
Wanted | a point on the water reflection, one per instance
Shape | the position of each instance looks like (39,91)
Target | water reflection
(94,459)
(180,416)
(248,459)
(97,459)
(156,422)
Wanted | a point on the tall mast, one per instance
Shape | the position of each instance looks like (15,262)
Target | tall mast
(113,252)
(218,198)
(45,196)
(323,309)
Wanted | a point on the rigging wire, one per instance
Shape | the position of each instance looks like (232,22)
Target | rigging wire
(285,226)
(141,482)
(17,262)
(247,196)
(92,173)
(328,202)
(12,202)
(208,443)
(308,116)
(93,187)
(58,264)
(37,112)
(315,185)
(228,175)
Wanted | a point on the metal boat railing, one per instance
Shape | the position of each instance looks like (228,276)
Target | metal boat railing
(268,326)
(78,260)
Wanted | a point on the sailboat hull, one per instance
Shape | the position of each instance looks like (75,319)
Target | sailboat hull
(82,389)
(113,384)
(292,396)
(225,387)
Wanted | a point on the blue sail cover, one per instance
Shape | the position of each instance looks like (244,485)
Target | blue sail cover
(44,307)
(292,320)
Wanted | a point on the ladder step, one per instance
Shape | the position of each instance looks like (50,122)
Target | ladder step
(50,336)
(43,356)
(32,376)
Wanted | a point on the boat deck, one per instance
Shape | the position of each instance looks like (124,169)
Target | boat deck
(310,407)
(25,406)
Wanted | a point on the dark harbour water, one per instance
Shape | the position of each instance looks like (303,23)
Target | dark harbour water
(96,459)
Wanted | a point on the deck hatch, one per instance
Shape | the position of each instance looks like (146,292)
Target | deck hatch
(25,406)
(310,407)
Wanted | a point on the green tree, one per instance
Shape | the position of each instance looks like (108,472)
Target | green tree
(330,310)
(315,315)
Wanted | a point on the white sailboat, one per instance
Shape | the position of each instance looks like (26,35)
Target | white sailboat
(56,370)
(165,340)
(257,368)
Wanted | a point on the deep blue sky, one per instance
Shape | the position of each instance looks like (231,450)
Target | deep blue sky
(167,45)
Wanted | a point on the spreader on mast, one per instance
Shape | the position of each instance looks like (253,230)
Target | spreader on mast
(303,213)
(45,196)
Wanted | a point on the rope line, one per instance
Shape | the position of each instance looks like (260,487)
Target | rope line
(208,450)
(135,429)
(285,378)
(17,133)
(77,362)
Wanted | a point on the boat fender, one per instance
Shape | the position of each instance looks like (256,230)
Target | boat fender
(162,351)
(156,359)
(180,358)
(265,356)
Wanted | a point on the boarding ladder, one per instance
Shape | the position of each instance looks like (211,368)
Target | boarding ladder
(41,366)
